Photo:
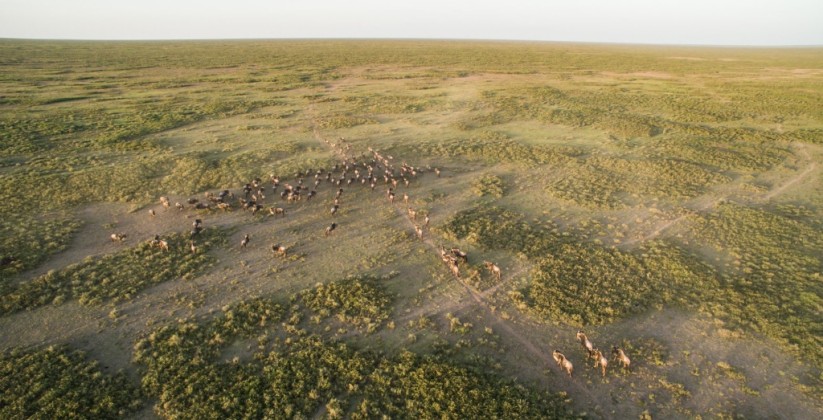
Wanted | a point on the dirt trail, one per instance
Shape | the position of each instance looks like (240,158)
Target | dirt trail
(711,204)
(543,358)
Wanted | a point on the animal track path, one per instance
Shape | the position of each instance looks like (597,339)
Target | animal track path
(538,356)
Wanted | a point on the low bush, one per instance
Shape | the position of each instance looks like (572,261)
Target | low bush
(60,383)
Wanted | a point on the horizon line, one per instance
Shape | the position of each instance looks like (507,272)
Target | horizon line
(491,40)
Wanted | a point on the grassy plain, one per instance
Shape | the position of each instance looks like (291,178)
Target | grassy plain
(667,200)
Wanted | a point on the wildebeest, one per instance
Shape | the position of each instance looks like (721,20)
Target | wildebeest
(493,268)
(460,254)
(279,250)
(600,360)
(584,341)
(563,362)
(621,357)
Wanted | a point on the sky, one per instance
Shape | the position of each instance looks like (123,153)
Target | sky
(693,22)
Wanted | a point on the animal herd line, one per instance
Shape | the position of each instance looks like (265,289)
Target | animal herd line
(367,170)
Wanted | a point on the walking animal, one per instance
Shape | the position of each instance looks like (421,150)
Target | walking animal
(493,268)
(621,357)
(245,241)
(331,229)
(584,341)
(600,360)
(118,237)
(279,250)
(563,362)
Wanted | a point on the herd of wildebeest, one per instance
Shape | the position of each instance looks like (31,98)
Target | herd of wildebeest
(367,169)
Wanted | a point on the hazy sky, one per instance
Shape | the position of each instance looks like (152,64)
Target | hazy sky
(724,22)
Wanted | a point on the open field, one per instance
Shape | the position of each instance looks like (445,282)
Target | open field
(667,201)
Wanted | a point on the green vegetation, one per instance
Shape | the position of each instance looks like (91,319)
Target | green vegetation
(489,185)
(613,185)
(301,376)
(58,382)
(26,241)
(359,300)
(113,277)
(772,281)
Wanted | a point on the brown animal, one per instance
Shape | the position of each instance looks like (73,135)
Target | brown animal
(412,214)
(621,357)
(331,229)
(419,232)
(163,245)
(563,362)
(405,198)
(193,247)
(245,241)
(455,268)
(165,202)
(279,250)
(118,237)
(224,206)
(275,211)
(152,213)
(493,268)
(426,220)
(600,360)
(584,341)
(460,254)
(179,206)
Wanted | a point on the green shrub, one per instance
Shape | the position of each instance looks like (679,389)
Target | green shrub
(58,382)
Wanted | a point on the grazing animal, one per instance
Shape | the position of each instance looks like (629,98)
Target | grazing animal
(279,250)
(163,245)
(419,231)
(224,206)
(274,211)
(179,206)
(334,209)
(192,201)
(563,362)
(331,229)
(584,341)
(193,247)
(426,220)
(245,241)
(621,357)
(406,198)
(412,214)
(493,268)
(165,202)
(391,197)
(118,237)
(202,206)
(152,213)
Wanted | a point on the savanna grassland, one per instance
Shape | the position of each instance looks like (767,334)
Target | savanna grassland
(667,201)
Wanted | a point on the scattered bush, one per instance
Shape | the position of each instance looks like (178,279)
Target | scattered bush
(58,382)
